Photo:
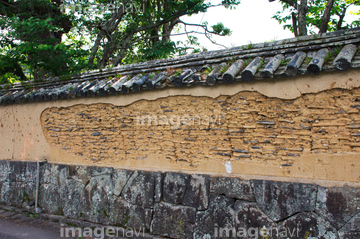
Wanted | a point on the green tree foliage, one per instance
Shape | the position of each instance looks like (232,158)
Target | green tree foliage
(146,25)
(298,16)
(42,38)
(30,40)
(221,30)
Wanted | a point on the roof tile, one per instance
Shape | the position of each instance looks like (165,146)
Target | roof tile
(278,59)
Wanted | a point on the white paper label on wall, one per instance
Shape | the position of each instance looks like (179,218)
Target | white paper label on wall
(228,167)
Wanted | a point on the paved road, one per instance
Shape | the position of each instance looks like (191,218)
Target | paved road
(18,226)
(14,224)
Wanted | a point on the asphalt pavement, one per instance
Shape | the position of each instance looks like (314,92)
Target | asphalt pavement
(18,223)
(20,226)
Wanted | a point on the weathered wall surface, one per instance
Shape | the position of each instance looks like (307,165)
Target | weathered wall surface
(246,127)
(179,205)
(307,128)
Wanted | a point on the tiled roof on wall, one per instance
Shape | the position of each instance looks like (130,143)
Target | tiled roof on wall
(313,54)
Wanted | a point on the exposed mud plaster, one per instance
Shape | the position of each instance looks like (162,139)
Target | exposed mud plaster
(245,130)
(304,166)
(247,127)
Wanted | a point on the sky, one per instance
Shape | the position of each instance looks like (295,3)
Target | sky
(250,22)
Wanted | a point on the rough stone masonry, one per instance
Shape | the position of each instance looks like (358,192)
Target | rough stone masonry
(179,205)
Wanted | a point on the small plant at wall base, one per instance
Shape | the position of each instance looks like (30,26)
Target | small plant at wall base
(26,198)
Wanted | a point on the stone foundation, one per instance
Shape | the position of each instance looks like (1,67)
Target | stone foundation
(178,205)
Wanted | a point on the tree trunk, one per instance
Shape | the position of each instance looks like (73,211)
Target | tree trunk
(326,16)
(125,43)
(167,29)
(341,19)
(302,17)
(108,52)
(292,3)
(294,24)
(107,30)
(94,50)
(154,35)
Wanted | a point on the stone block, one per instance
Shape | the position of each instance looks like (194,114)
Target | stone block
(351,230)
(119,178)
(338,204)
(280,200)
(125,214)
(98,194)
(197,192)
(139,189)
(232,187)
(73,203)
(174,187)
(249,215)
(173,221)
(219,215)
(305,225)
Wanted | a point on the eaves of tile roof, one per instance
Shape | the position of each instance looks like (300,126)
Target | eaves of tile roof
(313,54)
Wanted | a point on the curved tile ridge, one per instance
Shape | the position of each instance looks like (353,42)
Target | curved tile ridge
(333,51)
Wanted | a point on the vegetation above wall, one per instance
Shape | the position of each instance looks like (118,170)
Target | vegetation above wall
(86,35)
(303,16)
(41,39)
